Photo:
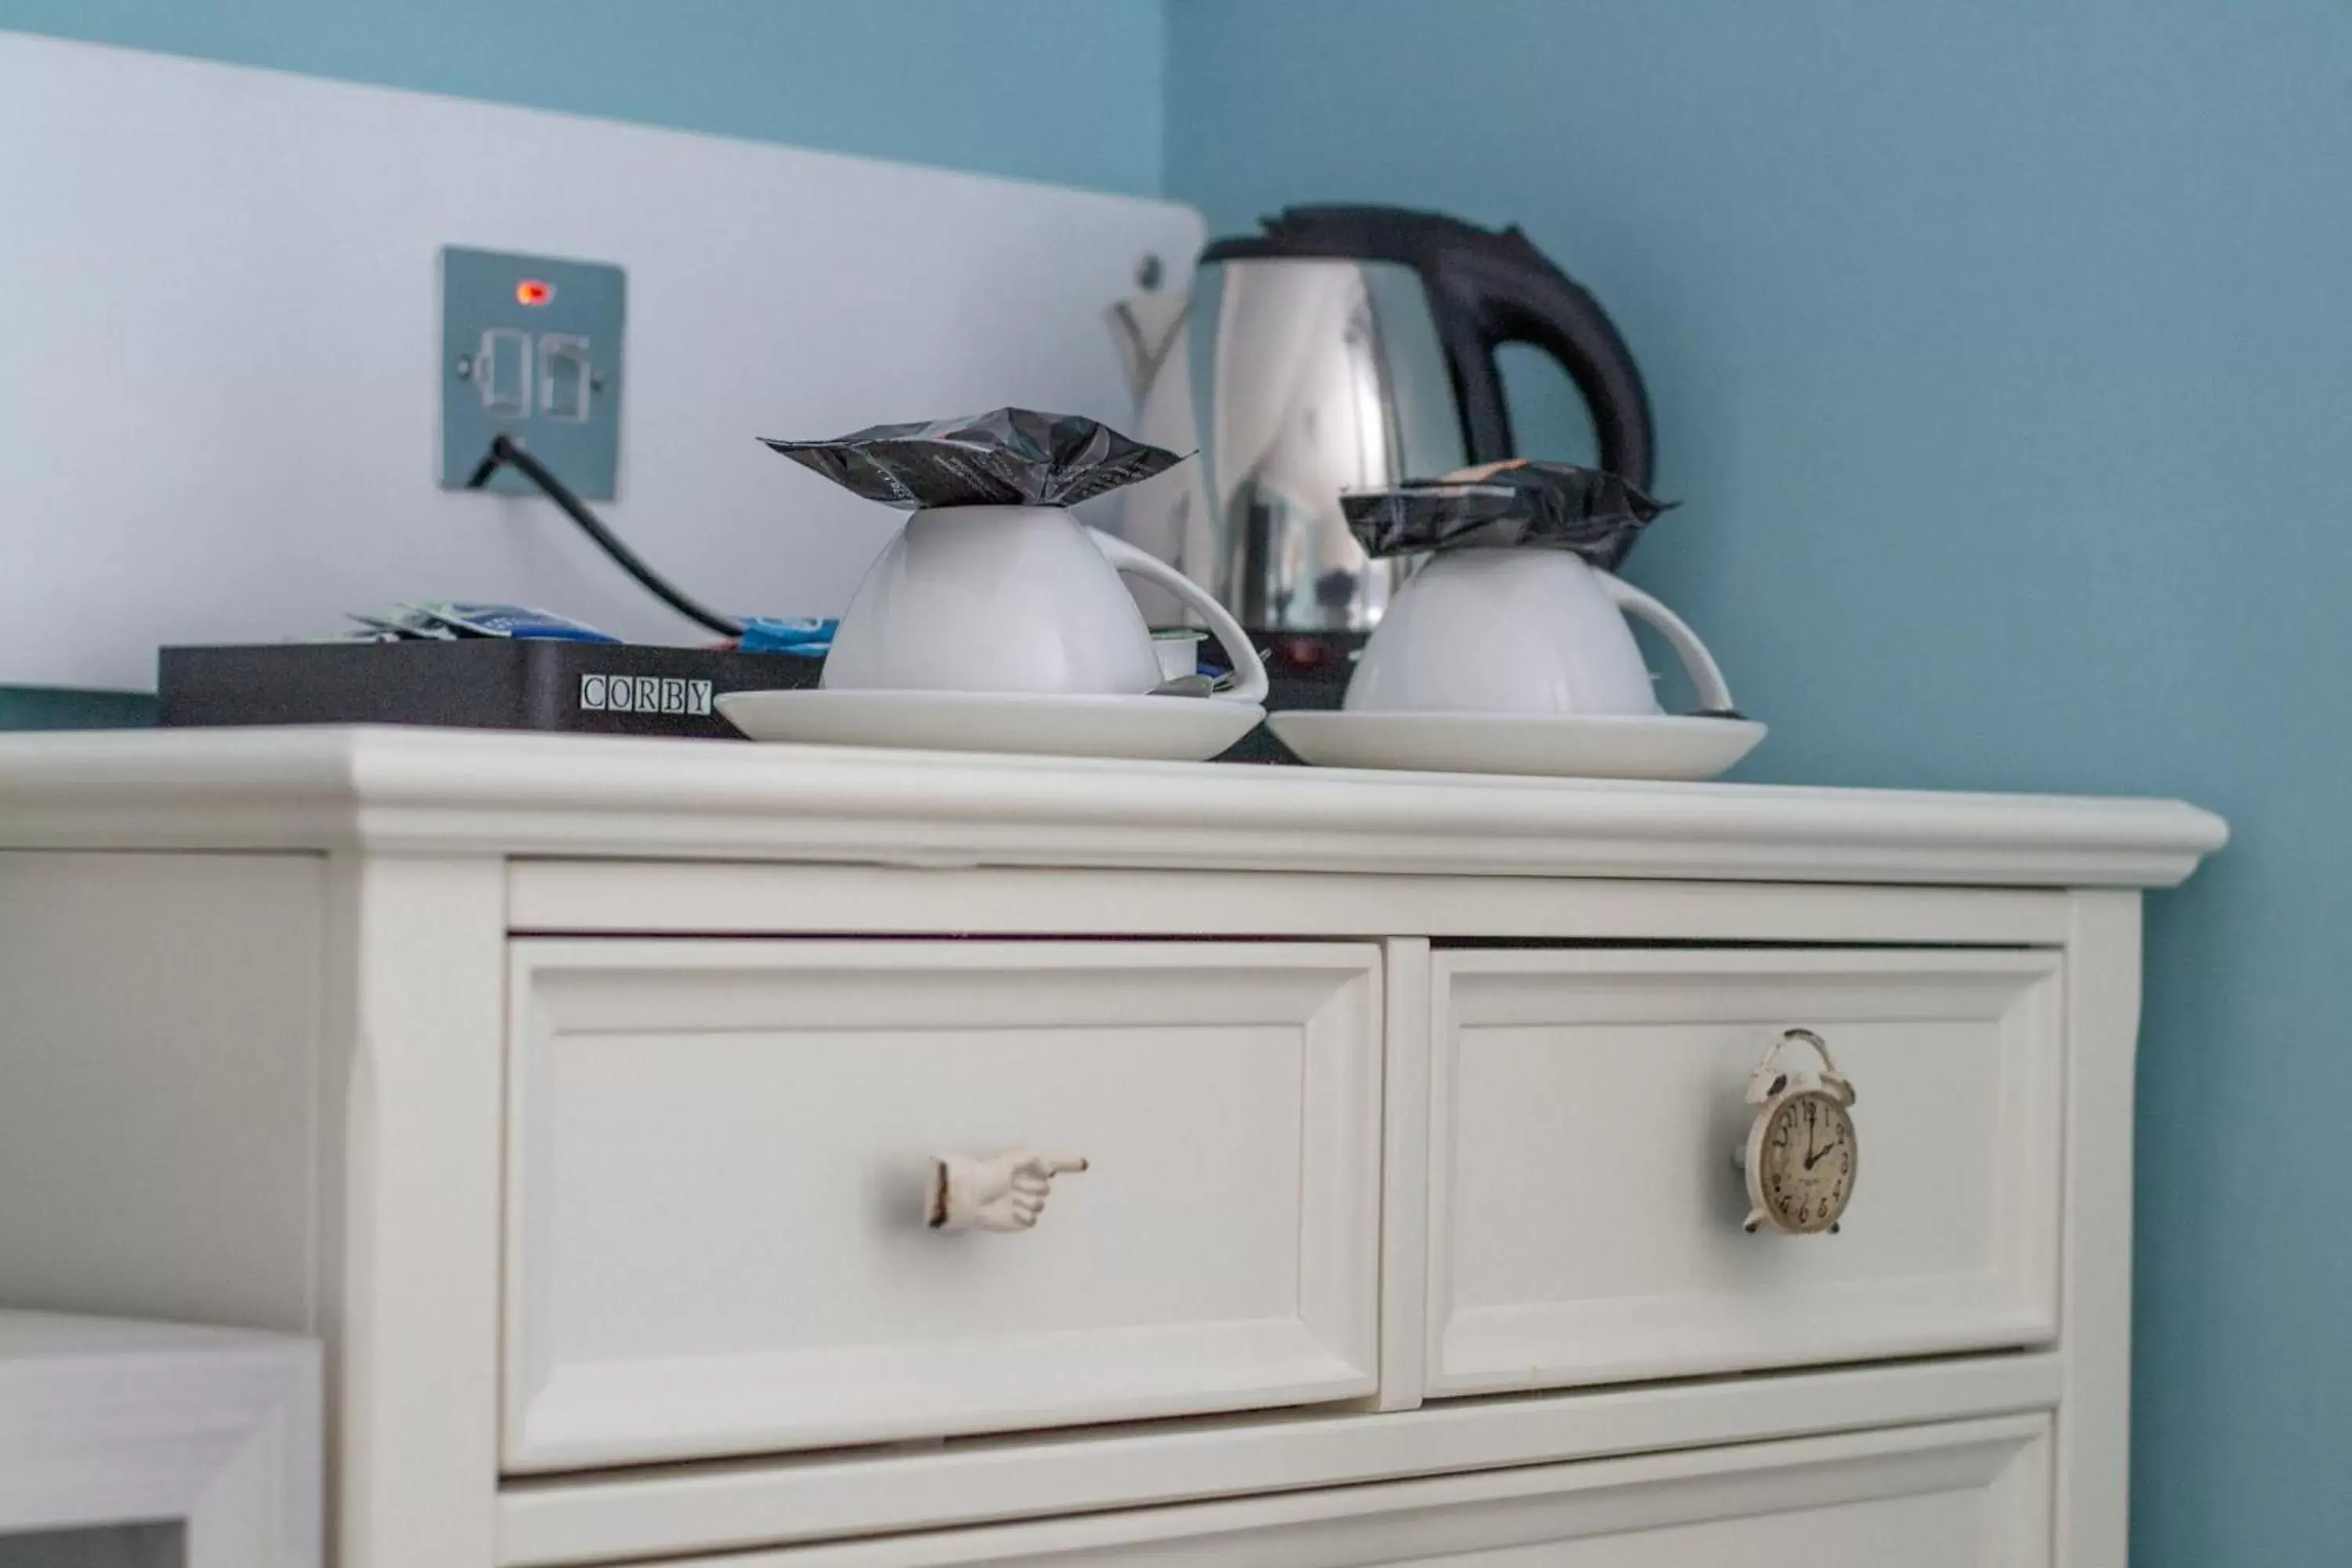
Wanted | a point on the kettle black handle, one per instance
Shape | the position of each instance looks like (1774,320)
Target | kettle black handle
(1490,288)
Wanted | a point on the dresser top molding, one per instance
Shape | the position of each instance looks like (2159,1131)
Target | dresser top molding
(448,792)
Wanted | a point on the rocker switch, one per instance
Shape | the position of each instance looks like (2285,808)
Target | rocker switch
(563,378)
(503,370)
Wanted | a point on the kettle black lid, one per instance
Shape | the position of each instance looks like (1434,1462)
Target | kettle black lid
(1357,232)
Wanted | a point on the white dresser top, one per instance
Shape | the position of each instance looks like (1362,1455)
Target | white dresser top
(436,792)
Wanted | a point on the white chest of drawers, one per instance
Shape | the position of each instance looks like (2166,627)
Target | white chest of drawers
(586,1096)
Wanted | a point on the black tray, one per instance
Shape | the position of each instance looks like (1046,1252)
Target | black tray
(489,683)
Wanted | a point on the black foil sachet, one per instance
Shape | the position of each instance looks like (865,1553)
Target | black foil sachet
(1556,506)
(1010,457)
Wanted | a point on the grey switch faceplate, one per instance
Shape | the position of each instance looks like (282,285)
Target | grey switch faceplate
(531,345)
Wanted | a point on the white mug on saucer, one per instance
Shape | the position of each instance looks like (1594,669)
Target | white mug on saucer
(1016,598)
(1521,631)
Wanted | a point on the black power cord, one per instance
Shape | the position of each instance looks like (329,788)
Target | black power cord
(506,453)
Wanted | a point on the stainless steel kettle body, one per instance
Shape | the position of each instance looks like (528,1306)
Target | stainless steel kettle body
(1346,348)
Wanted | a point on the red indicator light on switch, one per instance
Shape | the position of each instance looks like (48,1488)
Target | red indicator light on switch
(532,292)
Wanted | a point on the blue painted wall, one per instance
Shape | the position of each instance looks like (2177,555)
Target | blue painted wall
(2003,356)
(1066,91)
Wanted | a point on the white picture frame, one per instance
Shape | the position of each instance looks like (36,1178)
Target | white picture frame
(107,1422)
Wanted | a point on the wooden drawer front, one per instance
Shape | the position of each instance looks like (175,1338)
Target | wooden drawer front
(1585,1212)
(721,1156)
(1972,1494)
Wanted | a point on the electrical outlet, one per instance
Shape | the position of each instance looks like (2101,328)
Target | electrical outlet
(530,345)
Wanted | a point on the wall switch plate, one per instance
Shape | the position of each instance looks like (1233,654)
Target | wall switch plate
(530,345)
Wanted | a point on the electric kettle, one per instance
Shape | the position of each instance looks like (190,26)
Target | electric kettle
(1344,348)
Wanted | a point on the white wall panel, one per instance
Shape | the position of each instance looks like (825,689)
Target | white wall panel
(220,348)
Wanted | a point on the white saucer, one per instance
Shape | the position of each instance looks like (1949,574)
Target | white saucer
(1165,729)
(1554,745)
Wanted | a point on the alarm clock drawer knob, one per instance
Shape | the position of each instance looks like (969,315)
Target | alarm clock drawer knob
(1801,1153)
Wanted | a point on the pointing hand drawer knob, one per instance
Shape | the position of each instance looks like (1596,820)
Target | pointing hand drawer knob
(1005,1192)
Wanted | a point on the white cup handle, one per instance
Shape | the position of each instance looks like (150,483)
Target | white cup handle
(1249,670)
(1713,695)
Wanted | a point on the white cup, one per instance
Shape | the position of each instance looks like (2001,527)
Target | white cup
(1014,599)
(1521,631)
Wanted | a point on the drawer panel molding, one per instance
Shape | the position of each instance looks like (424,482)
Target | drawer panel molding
(1960,1495)
(549,1521)
(1584,1210)
(726,1158)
